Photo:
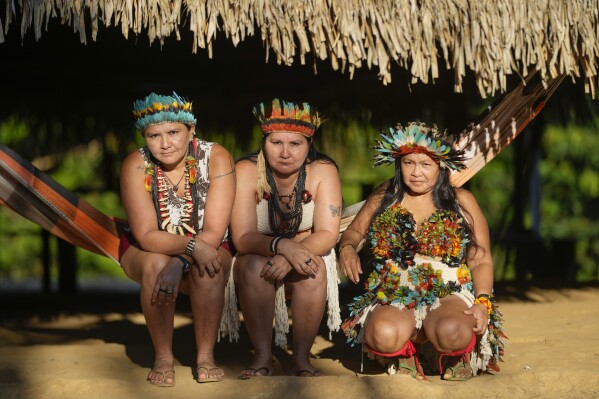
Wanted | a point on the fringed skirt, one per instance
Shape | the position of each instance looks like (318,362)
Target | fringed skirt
(230,321)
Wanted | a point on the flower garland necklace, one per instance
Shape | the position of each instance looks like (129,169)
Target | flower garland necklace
(391,237)
(444,235)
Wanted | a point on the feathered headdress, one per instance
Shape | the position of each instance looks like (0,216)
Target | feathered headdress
(286,116)
(156,108)
(418,138)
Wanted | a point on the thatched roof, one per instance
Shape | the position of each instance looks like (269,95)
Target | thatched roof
(490,39)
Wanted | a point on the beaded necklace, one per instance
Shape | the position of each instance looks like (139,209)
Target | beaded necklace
(177,215)
(290,221)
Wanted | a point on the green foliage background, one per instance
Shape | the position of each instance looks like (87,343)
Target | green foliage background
(569,172)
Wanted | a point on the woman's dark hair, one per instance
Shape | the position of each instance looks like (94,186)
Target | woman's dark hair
(444,196)
(313,154)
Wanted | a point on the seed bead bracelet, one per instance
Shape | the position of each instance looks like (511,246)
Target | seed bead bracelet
(190,247)
(484,300)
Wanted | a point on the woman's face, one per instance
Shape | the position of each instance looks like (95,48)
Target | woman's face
(286,152)
(419,172)
(168,142)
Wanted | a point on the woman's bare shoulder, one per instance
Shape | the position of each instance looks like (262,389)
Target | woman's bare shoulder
(320,168)
(132,161)
(218,151)
(465,197)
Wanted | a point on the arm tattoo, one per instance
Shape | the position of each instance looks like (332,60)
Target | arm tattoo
(232,172)
(335,210)
(232,164)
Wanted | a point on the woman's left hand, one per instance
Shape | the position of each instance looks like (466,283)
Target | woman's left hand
(481,316)
(301,258)
(207,259)
(167,283)
(275,269)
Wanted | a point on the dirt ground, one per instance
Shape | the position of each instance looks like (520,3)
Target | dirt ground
(95,345)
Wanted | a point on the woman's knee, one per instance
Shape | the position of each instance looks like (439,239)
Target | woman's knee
(316,285)
(384,335)
(451,334)
(151,267)
(247,269)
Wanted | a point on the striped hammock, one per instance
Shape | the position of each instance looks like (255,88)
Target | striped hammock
(37,197)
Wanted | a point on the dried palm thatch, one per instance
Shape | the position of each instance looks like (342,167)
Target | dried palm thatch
(490,39)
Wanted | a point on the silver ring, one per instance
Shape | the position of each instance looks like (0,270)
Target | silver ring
(308,261)
(169,292)
(269,263)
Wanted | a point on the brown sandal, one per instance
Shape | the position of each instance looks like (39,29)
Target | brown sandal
(209,374)
(162,381)
(250,372)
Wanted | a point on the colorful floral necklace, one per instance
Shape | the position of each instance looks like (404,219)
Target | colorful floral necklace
(391,236)
(444,235)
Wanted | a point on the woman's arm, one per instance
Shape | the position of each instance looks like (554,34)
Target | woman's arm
(243,219)
(355,233)
(479,260)
(327,209)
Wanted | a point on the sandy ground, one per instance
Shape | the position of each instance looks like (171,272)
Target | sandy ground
(95,345)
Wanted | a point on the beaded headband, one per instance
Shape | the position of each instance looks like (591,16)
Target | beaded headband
(286,116)
(422,139)
(156,108)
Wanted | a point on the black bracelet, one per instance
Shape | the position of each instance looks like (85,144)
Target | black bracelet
(186,265)
(274,244)
(484,296)
(190,247)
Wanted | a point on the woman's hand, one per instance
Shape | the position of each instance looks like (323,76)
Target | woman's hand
(166,287)
(275,269)
(350,263)
(301,259)
(206,259)
(481,316)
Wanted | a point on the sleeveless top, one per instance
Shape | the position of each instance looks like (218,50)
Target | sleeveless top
(263,226)
(183,216)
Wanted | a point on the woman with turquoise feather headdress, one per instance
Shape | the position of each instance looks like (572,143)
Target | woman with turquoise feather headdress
(432,280)
(178,192)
